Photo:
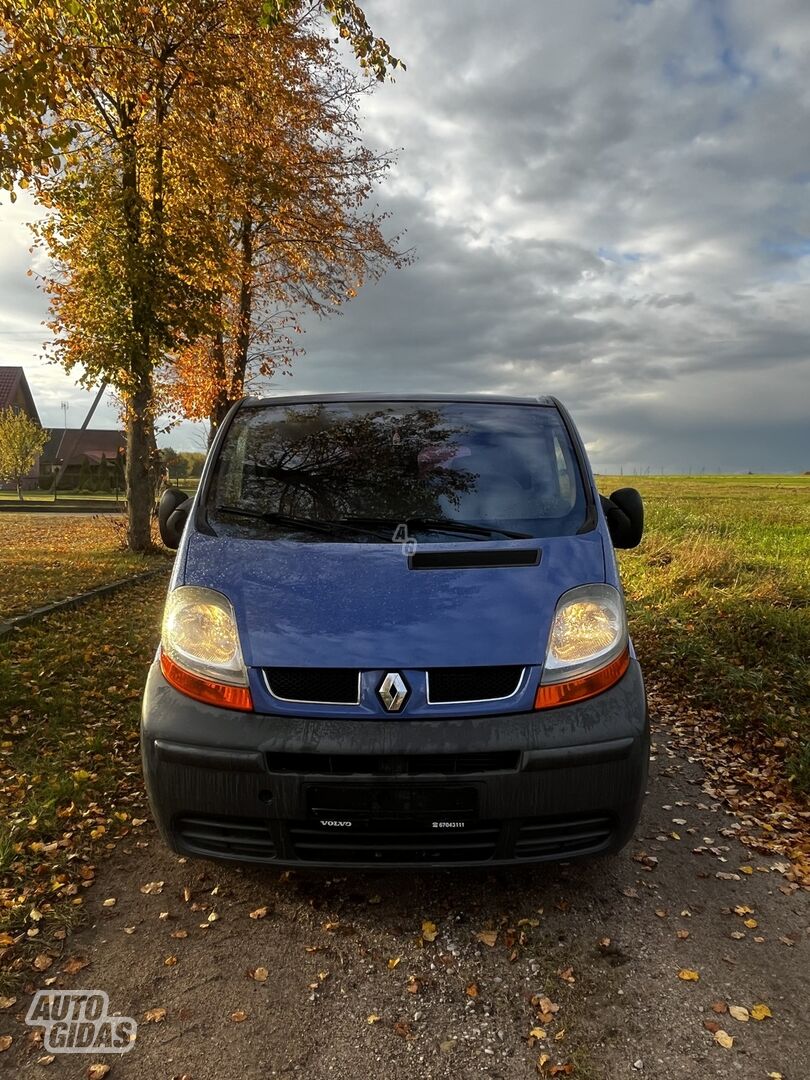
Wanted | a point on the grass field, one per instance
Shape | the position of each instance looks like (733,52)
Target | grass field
(719,601)
(50,557)
(718,598)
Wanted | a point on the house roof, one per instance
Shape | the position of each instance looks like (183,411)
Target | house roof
(13,384)
(77,446)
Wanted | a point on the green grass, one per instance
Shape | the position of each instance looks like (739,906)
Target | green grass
(719,601)
(51,557)
(70,775)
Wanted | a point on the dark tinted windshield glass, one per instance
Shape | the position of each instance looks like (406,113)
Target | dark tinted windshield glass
(505,468)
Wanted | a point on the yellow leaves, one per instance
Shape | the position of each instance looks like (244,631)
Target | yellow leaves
(487,937)
(752,924)
(472,990)
(42,962)
(724,1039)
(155,1016)
(97,1071)
(259,912)
(374,1018)
(7,1002)
(760,1012)
(688,975)
(393,962)
(6,939)
(5,1042)
(152,888)
(739,1013)
(260,974)
(239,1016)
(429,930)
(170,961)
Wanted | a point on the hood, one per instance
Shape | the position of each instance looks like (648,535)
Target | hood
(360,605)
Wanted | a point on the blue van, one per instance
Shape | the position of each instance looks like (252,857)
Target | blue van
(395,635)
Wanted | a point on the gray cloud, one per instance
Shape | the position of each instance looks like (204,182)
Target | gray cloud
(608,201)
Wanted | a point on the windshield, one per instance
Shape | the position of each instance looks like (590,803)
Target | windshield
(451,472)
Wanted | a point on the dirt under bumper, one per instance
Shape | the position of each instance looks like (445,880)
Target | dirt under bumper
(512,788)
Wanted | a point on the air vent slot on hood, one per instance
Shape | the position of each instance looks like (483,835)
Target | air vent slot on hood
(473,558)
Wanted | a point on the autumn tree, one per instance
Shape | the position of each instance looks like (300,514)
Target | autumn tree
(293,214)
(21,442)
(116,110)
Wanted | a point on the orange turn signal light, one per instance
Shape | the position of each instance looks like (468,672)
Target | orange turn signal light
(585,687)
(212,693)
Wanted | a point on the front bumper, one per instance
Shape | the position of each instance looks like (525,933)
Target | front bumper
(467,791)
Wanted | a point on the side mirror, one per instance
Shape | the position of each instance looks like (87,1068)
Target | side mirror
(173,511)
(624,513)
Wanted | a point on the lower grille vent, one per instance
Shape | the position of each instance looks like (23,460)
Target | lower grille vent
(557,837)
(245,838)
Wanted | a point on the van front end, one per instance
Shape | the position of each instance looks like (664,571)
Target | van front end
(491,789)
(395,635)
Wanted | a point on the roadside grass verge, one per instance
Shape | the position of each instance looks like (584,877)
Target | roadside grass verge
(70,777)
(45,558)
(719,604)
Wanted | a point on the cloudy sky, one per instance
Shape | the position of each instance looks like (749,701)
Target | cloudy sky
(608,201)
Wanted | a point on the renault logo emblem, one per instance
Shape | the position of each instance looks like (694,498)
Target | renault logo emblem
(393,691)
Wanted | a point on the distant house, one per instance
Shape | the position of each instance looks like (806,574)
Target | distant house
(92,459)
(15,393)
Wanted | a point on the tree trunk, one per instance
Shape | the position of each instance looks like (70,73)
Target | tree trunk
(138,473)
(19,490)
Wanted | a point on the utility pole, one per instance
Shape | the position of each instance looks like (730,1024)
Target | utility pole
(66,456)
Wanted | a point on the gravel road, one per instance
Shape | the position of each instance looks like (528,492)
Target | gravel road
(584,970)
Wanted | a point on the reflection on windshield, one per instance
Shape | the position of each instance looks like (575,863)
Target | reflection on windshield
(497,466)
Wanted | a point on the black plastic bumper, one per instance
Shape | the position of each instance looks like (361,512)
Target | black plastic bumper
(513,788)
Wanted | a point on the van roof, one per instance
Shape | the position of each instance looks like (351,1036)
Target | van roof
(293,399)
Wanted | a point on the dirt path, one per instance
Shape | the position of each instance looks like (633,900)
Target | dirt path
(341,950)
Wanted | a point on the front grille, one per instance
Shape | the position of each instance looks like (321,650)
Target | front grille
(445,685)
(395,765)
(558,837)
(327,686)
(394,841)
(245,838)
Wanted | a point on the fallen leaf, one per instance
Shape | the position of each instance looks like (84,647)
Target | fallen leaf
(109,902)
(403,1029)
(688,975)
(97,1072)
(719,1007)
(238,1016)
(752,924)
(561,1070)
(74,965)
(7,1002)
(152,888)
(487,937)
(5,1042)
(259,912)
(429,930)
(760,1011)
(537,1033)
(373,1019)
(170,961)
(42,962)
(739,1012)
(392,963)
(567,975)
(472,990)
(724,1039)
(46,1059)
(711,1025)
(179,934)
(682,935)
(260,974)
(414,985)
(154,1016)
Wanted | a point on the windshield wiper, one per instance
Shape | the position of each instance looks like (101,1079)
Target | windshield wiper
(311,524)
(447,525)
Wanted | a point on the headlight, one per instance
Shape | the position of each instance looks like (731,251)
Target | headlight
(587,648)
(200,651)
